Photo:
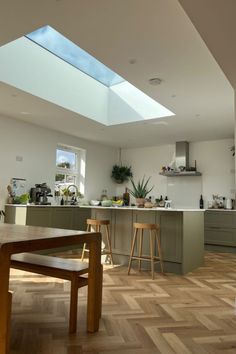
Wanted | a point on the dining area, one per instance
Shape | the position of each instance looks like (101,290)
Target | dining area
(18,239)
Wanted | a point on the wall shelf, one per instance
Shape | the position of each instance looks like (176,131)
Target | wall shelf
(180,174)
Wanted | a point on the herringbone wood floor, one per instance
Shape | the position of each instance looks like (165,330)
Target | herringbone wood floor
(172,314)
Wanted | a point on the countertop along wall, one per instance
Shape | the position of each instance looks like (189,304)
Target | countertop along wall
(37,147)
(214,161)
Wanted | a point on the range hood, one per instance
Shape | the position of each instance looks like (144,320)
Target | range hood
(182,167)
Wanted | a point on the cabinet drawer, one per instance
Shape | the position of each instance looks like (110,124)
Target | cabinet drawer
(219,236)
(224,219)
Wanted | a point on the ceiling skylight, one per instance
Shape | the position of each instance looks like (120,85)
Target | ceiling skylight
(62,47)
(47,65)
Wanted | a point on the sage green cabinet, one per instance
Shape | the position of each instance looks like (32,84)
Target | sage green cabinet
(80,217)
(122,231)
(73,218)
(38,216)
(220,230)
(62,217)
(171,235)
(181,232)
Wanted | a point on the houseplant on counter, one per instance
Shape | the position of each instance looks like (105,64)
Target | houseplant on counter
(121,173)
(140,191)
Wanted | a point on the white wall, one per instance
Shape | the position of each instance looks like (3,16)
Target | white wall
(214,160)
(37,146)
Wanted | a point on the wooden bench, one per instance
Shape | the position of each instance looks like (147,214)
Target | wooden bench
(68,269)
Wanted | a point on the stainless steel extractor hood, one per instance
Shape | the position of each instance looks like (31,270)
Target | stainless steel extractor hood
(182,155)
(182,167)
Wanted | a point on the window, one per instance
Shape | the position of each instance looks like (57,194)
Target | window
(70,168)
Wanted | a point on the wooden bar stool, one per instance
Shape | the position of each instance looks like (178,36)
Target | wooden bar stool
(153,235)
(96,225)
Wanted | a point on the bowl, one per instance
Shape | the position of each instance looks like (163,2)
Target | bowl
(94,202)
(106,203)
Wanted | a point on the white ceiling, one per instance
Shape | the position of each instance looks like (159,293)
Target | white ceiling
(155,34)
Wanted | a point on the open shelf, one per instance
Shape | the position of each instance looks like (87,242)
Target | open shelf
(180,174)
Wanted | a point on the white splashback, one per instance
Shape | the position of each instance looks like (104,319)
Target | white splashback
(184,191)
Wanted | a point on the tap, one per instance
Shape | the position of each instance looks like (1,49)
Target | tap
(73,199)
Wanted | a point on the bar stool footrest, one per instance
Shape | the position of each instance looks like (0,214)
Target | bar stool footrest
(155,259)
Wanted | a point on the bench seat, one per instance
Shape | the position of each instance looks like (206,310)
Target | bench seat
(68,269)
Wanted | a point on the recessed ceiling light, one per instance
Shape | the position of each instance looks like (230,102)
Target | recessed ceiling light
(155,81)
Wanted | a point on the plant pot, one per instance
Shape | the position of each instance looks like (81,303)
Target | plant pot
(140,202)
(119,181)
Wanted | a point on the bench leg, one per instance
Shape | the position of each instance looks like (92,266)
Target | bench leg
(73,304)
(9,320)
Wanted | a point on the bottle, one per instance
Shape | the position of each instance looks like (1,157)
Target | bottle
(62,201)
(161,202)
(201,202)
(126,197)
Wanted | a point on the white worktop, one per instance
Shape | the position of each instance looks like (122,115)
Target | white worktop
(101,207)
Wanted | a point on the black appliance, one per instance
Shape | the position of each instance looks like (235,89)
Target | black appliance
(40,193)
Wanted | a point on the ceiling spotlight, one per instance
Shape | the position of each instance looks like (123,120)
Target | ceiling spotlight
(155,81)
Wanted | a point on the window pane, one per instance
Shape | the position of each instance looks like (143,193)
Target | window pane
(66,159)
(60,177)
(70,179)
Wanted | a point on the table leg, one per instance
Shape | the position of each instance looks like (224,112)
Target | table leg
(94,285)
(4,302)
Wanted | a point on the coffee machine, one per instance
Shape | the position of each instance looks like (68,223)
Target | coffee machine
(39,194)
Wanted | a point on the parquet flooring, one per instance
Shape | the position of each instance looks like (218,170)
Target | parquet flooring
(171,314)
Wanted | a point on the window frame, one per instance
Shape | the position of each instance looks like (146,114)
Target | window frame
(74,172)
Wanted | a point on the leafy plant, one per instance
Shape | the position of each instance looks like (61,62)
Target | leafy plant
(121,173)
(140,190)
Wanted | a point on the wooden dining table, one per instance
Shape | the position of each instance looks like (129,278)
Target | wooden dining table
(19,238)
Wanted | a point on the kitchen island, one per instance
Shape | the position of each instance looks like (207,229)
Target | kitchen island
(181,230)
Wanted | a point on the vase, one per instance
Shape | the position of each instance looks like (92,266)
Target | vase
(140,202)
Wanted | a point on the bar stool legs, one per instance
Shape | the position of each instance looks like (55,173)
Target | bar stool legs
(97,226)
(153,236)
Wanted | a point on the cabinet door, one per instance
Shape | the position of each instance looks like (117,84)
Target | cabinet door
(218,236)
(102,214)
(220,218)
(62,217)
(122,231)
(80,216)
(39,216)
(171,236)
(15,215)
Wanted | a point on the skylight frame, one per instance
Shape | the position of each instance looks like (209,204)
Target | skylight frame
(60,46)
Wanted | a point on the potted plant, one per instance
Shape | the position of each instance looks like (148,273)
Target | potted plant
(140,191)
(121,173)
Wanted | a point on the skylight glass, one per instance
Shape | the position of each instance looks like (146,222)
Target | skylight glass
(63,48)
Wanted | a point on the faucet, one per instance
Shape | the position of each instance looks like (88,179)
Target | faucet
(73,199)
